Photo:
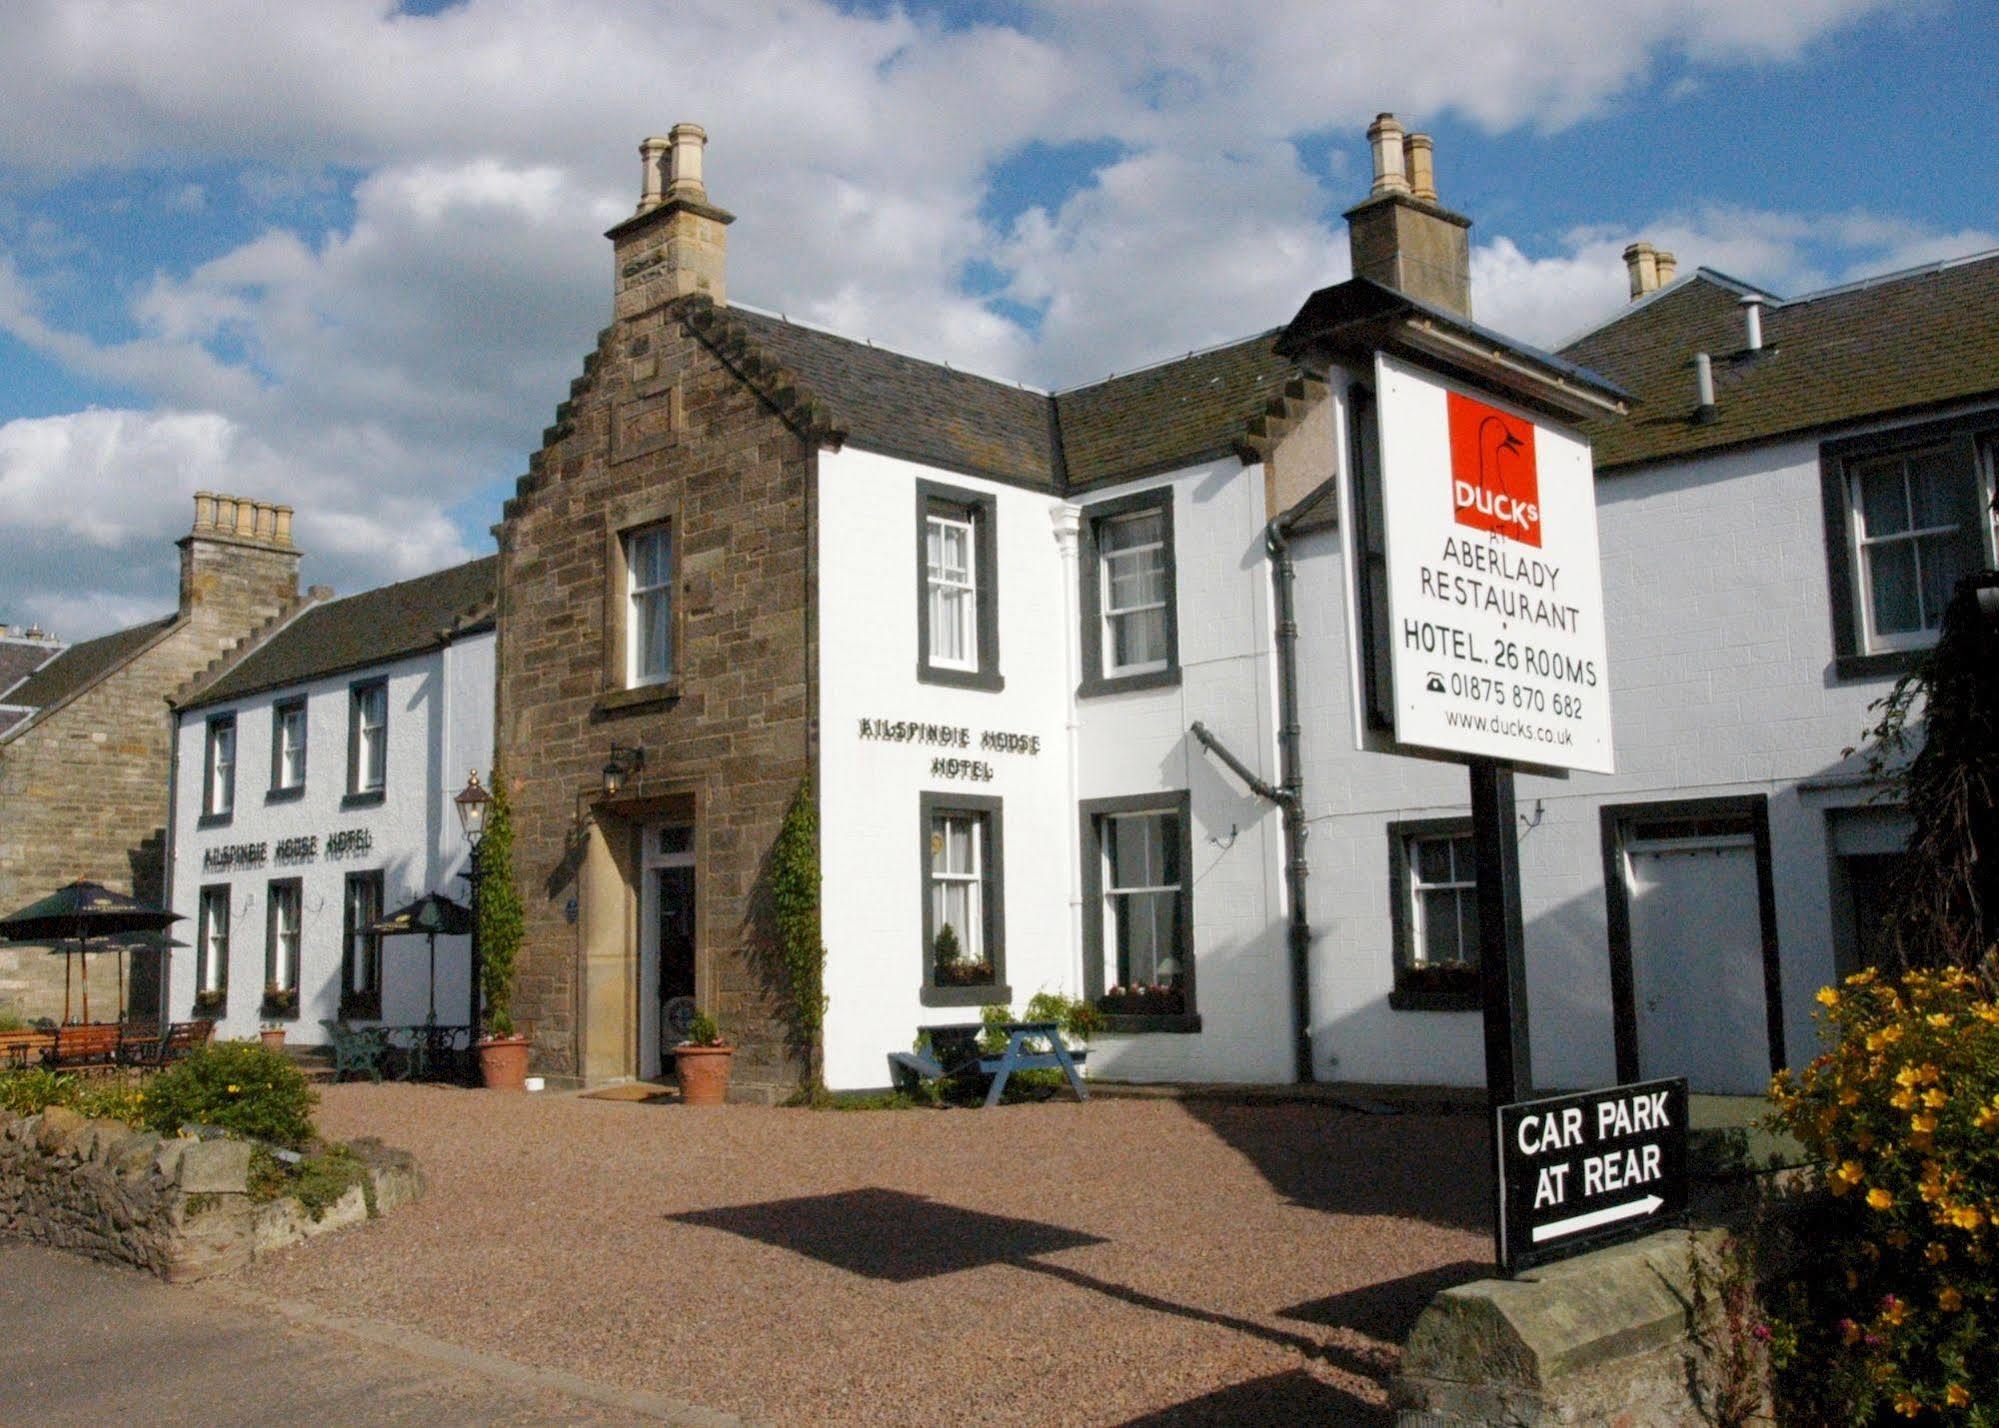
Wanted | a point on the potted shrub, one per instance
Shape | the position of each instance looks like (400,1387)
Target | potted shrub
(272,1034)
(949,958)
(503,1054)
(702,1062)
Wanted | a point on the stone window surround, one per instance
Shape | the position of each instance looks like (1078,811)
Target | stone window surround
(621,518)
(935,498)
(1401,889)
(211,816)
(1971,435)
(363,1005)
(358,797)
(1090,562)
(272,890)
(993,899)
(280,791)
(1091,812)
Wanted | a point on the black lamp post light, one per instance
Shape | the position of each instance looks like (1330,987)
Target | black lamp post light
(472,803)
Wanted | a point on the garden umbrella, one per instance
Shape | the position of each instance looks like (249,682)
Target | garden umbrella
(83,910)
(434,915)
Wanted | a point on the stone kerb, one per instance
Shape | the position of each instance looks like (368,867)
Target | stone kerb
(179,1208)
(1611,1337)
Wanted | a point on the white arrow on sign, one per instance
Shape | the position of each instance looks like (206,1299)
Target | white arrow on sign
(1609,1215)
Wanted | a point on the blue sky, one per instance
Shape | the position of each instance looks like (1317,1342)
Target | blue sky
(348,254)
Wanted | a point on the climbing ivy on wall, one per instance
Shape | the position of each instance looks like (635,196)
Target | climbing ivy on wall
(801,955)
(1945,771)
(498,912)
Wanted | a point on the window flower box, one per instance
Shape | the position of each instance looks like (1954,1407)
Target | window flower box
(280,1003)
(1156,999)
(1436,986)
(210,1001)
(964,974)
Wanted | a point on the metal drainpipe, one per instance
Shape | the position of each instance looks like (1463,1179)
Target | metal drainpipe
(1291,776)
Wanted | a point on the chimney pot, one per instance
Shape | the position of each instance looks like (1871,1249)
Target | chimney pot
(1668,266)
(1641,264)
(652,164)
(684,163)
(1384,135)
(1752,323)
(1419,160)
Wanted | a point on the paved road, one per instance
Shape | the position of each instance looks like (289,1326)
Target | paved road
(88,1343)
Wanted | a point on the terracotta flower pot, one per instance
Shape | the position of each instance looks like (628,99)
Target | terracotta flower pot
(503,1063)
(273,1038)
(704,1074)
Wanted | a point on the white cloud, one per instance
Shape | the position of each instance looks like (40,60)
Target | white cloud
(399,366)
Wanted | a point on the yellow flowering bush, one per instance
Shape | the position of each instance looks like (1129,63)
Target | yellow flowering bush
(1897,1311)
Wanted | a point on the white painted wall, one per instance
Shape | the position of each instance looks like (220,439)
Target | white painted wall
(440,726)
(872,846)
(1721,651)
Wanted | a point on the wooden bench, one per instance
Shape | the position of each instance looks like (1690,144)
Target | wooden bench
(24,1048)
(146,1045)
(82,1048)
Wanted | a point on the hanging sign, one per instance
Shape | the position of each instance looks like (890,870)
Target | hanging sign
(1494,590)
(1577,1172)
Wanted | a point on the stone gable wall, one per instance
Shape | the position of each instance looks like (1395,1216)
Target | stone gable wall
(83,792)
(658,424)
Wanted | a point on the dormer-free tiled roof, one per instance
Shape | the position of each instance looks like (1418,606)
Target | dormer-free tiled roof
(1177,413)
(21,658)
(83,664)
(1896,344)
(372,628)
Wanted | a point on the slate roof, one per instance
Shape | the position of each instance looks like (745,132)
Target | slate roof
(371,628)
(1900,343)
(21,658)
(1191,409)
(83,664)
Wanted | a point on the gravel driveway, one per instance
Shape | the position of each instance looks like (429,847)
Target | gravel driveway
(1117,1262)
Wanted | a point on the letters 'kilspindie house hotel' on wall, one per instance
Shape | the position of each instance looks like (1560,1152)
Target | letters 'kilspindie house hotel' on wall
(1093,687)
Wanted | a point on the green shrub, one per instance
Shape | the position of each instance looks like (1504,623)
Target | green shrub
(801,952)
(317,1181)
(1896,1306)
(113,1098)
(702,1031)
(34,1090)
(238,1086)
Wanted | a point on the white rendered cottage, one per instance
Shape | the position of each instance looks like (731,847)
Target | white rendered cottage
(312,793)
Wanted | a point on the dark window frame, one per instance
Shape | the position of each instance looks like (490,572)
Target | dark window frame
(1091,813)
(1752,810)
(1852,660)
(210,816)
(981,510)
(295,886)
(1096,680)
(992,898)
(213,999)
(280,791)
(1404,996)
(356,796)
(366,1004)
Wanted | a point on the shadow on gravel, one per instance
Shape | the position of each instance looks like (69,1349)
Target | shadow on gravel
(889,1234)
(1387,1311)
(1294,1397)
(1423,1167)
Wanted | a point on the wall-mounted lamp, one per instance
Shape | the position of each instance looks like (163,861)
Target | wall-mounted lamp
(622,764)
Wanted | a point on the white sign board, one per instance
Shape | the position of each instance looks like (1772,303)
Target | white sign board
(1495,594)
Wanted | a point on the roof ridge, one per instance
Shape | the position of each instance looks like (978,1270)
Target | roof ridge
(1899,275)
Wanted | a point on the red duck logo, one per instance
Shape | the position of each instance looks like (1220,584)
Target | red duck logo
(1495,485)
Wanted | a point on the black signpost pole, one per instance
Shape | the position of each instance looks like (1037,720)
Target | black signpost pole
(1502,967)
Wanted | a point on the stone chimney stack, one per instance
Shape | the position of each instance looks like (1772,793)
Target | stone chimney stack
(1400,236)
(1641,265)
(238,565)
(677,242)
